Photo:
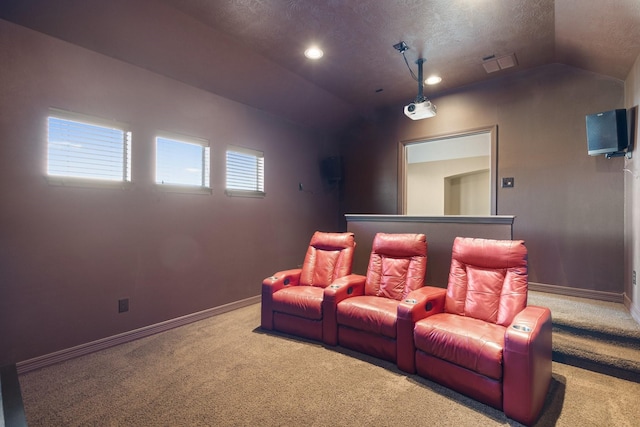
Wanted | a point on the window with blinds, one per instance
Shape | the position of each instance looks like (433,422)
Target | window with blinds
(245,172)
(182,161)
(85,148)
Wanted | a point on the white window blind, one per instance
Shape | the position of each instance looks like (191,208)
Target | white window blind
(182,162)
(78,148)
(245,172)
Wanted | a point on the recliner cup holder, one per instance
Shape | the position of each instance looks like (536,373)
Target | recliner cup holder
(522,328)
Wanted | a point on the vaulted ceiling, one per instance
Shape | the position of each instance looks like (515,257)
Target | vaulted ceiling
(251,51)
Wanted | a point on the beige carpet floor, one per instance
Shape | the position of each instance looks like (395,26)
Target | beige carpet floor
(224,371)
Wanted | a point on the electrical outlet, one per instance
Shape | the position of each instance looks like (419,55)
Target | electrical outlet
(633,277)
(123,305)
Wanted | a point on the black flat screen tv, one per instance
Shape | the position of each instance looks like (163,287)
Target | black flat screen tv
(607,132)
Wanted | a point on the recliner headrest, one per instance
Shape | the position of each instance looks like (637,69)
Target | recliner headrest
(332,241)
(400,245)
(488,253)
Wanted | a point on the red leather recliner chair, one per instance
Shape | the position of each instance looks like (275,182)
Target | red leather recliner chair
(479,337)
(292,299)
(361,312)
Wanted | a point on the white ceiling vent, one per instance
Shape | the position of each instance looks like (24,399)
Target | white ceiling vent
(492,64)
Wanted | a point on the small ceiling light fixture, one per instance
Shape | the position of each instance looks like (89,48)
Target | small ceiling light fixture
(314,52)
(433,80)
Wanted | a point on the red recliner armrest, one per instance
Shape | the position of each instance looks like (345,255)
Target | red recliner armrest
(527,364)
(281,279)
(417,305)
(273,284)
(341,289)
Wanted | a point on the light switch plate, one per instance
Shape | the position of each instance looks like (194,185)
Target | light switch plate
(508,182)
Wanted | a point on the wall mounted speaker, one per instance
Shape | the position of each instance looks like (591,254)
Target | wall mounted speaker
(331,169)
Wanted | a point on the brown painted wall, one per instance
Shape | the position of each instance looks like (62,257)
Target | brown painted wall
(632,199)
(68,254)
(568,205)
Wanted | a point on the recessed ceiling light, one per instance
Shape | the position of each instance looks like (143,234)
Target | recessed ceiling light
(433,80)
(314,52)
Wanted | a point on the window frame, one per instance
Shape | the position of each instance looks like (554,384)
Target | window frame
(260,171)
(206,169)
(76,181)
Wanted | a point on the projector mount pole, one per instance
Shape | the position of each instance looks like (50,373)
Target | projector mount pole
(420,97)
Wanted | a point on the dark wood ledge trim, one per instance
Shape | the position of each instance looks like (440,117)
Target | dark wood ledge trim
(456,219)
(83,349)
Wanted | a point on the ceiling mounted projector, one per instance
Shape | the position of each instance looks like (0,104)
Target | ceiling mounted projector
(420,110)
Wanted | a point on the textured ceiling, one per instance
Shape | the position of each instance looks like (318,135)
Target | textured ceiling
(358,35)
(251,50)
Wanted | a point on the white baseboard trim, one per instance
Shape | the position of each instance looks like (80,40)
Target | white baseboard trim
(633,309)
(576,292)
(101,344)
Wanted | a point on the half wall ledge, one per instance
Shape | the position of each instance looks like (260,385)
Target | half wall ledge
(440,232)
